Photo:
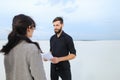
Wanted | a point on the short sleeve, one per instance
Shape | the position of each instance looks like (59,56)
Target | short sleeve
(70,45)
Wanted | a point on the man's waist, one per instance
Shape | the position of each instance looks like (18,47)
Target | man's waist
(61,63)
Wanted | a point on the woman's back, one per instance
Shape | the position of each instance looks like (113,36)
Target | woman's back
(24,63)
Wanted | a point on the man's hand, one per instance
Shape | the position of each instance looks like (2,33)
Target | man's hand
(55,60)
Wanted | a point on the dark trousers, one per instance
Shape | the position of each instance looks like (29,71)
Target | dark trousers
(60,70)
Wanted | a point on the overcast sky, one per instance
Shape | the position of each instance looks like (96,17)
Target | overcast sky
(83,19)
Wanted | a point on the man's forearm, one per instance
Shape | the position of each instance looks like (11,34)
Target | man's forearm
(68,57)
(65,58)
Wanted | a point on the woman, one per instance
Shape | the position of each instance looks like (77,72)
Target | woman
(22,59)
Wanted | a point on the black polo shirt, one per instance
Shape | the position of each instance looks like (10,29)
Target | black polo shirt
(62,46)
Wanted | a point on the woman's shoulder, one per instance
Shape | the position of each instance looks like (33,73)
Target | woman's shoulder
(27,45)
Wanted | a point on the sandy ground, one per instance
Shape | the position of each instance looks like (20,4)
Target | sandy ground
(96,60)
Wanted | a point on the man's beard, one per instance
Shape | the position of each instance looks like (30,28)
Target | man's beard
(58,31)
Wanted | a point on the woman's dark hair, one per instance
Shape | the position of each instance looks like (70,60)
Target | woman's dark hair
(20,24)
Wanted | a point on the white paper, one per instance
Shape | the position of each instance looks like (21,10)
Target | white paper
(47,56)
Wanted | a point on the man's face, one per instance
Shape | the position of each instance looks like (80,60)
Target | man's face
(57,27)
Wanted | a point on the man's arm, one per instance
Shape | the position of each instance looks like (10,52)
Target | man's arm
(72,52)
(56,60)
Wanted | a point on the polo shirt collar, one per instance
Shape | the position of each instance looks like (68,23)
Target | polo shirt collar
(62,34)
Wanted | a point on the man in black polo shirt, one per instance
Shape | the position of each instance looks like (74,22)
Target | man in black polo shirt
(63,50)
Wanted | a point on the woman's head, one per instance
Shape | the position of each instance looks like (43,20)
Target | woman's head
(22,28)
(23,25)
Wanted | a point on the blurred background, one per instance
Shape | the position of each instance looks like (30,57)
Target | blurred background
(83,19)
(93,24)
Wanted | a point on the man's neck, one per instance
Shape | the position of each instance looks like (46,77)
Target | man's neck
(58,35)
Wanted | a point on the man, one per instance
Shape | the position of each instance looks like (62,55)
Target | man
(62,49)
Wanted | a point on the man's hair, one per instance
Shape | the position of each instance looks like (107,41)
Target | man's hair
(58,19)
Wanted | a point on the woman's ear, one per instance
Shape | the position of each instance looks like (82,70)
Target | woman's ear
(62,25)
(28,29)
